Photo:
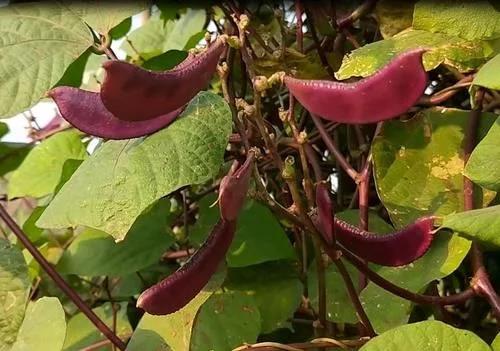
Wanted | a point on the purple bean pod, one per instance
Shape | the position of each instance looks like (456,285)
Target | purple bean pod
(386,94)
(175,291)
(325,213)
(132,93)
(85,111)
(396,249)
(232,189)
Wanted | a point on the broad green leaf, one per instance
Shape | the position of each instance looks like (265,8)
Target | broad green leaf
(495,345)
(102,16)
(418,164)
(386,310)
(14,290)
(157,36)
(82,333)
(38,43)
(32,231)
(122,178)
(69,167)
(12,155)
(226,320)
(456,52)
(33,266)
(256,225)
(393,16)
(173,331)
(488,74)
(428,336)
(126,286)
(4,129)
(275,287)
(471,20)
(338,303)
(121,29)
(95,253)
(74,74)
(482,224)
(483,166)
(165,61)
(40,171)
(43,328)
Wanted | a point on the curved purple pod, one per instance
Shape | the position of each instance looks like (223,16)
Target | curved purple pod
(85,111)
(175,291)
(397,249)
(132,93)
(233,188)
(384,95)
(325,213)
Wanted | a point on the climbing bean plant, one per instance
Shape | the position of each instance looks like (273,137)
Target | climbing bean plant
(268,175)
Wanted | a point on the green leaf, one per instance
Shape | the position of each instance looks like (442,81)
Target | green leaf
(428,336)
(33,266)
(74,74)
(12,155)
(393,16)
(40,171)
(256,225)
(456,52)
(157,36)
(487,76)
(471,20)
(495,345)
(69,167)
(339,306)
(122,178)
(39,42)
(226,320)
(82,333)
(338,303)
(173,331)
(418,164)
(275,287)
(165,61)
(121,29)
(14,290)
(483,167)
(32,231)
(386,310)
(43,328)
(95,253)
(102,16)
(4,129)
(481,224)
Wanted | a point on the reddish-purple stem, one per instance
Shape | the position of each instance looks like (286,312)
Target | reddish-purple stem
(60,282)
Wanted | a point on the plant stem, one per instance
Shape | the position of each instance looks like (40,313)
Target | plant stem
(319,49)
(60,282)
(480,282)
(333,149)
(299,34)
(353,294)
